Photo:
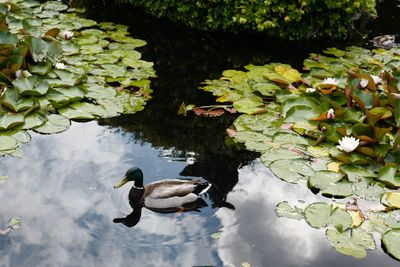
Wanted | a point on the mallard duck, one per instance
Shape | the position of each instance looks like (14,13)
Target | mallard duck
(167,195)
(384,41)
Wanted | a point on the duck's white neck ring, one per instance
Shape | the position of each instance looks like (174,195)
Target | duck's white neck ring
(138,187)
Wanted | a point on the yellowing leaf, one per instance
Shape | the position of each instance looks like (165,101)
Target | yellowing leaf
(333,166)
(288,73)
(393,198)
(357,218)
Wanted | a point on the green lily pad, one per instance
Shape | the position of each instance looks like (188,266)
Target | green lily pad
(393,199)
(301,113)
(55,124)
(352,243)
(41,68)
(7,143)
(291,171)
(59,97)
(31,86)
(391,241)
(387,174)
(322,179)
(33,120)
(317,214)
(14,222)
(250,105)
(82,111)
(55,6)
(274,154)
(289,138)
(10,120)
(321,214)
(356,172)
(368,190)
(12,100)
(283,209)
(338,190)
(20,135)
(244,136)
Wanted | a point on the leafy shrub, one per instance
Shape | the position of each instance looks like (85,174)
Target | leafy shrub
(299,19)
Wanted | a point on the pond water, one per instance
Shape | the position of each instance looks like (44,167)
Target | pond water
(63,188)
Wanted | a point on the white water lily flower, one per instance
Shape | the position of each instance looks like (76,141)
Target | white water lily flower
(60,66)
(67,34)
(348,144)
(363,83)
(377,79)
(332,81)
(310,90)
(330,114)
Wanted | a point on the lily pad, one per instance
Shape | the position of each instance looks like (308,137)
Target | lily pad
(322,179)
(285,210)
(291,171)
(33,120)
(387,174)
(393,199)
(10,120)
(272,154)
(55,124)
(7,143)
(391,241)
(352,243)
(317,214)
(14,222)
(357,172)
(251,105)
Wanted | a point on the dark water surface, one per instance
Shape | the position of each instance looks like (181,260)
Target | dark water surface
(63,188)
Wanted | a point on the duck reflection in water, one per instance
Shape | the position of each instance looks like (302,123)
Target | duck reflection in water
(165,196)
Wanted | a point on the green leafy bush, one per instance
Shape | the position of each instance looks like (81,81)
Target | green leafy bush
(297,19)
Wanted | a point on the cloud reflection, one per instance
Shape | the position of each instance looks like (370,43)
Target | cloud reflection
(253,233)
(63,194)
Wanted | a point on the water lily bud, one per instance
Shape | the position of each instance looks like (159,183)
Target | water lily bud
(67,34)
(377,79)
(310,90)
(330,114)
(363,83)
(60,66)
(18,73)
(348,144)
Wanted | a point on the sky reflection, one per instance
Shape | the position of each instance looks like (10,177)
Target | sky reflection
(253,233)
(64,195)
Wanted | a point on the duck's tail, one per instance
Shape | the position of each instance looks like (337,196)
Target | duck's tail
(201,188)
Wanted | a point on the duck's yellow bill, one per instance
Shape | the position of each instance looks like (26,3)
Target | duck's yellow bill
(121,183)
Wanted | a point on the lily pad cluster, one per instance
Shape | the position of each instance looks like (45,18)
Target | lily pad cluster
(56,66)
(333,126)
(351,228)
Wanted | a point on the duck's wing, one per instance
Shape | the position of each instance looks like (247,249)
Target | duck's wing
(170,188)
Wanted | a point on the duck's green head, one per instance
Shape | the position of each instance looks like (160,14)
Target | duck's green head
(133,174)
